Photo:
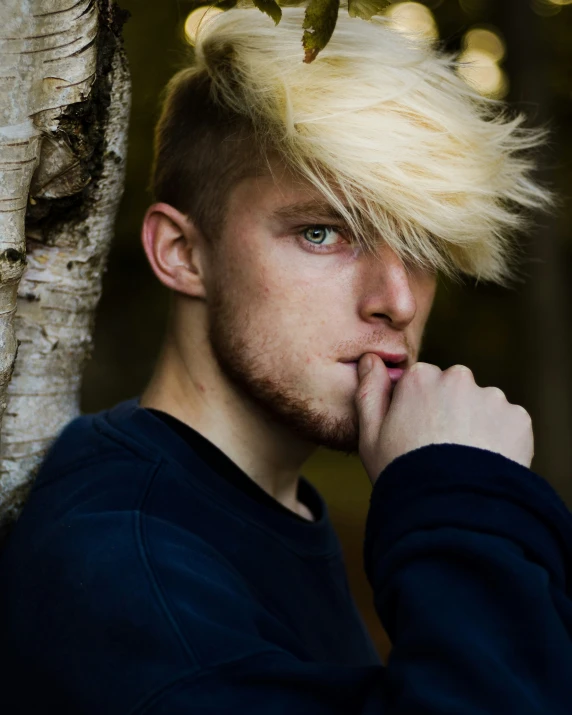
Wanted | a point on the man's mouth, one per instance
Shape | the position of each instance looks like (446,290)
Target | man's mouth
(393,371)
(396,363)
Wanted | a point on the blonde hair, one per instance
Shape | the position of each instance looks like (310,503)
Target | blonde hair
(381,125)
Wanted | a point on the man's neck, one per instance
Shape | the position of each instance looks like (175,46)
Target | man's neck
(194,393)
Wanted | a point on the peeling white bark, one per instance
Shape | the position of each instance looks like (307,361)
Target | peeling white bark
(50,270)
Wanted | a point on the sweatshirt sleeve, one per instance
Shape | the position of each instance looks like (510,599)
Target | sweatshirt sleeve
(469,556)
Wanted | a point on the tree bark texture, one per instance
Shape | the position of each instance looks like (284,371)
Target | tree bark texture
(64,106)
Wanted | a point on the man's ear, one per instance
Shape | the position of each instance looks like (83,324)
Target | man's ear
(174,248)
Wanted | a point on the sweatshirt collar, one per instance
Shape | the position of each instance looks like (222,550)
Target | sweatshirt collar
(154,438)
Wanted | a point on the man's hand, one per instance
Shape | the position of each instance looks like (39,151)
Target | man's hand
(432,406)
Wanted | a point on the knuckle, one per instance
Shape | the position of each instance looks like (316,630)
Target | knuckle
(496,392)
(363,394)
(418,374)
(459,371)
(523,413)
(424,368)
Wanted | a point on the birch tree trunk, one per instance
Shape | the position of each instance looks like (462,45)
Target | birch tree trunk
(64,106)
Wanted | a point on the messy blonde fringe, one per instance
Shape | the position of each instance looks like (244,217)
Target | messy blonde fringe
(387,131)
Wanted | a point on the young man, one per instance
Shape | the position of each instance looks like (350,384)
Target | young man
(170,558)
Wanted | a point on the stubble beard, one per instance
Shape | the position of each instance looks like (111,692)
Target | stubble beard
(254,380)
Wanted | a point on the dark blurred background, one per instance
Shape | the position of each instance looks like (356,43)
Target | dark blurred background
(518,339)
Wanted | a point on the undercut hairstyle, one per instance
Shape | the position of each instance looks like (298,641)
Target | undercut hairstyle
(383,126)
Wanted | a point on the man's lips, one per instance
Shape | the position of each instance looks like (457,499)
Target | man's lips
(396,363)
(394,372)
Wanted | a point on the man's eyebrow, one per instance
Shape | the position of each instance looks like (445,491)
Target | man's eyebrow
(315,209)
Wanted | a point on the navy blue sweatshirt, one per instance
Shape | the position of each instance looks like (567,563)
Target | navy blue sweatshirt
(139,579)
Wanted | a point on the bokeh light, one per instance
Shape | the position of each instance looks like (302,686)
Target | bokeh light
(484,74)
(414,19)
(484,40)
(548,8)
(483,49)
(196,19)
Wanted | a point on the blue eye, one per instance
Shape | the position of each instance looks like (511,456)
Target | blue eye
(318,234)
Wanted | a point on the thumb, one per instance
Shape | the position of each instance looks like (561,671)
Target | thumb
(373,396)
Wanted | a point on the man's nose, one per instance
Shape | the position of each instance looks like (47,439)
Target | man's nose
(386,290)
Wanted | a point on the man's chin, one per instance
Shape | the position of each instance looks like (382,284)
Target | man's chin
(348,444)
(296,414)
(340,434)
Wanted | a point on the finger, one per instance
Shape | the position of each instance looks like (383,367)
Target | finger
(373,396)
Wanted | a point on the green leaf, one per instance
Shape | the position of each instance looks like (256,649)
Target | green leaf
(366,9)
(270,7)
(319,24)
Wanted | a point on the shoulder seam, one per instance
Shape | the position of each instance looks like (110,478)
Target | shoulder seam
(114,435)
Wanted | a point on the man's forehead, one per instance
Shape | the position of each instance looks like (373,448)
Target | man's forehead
(286,195)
